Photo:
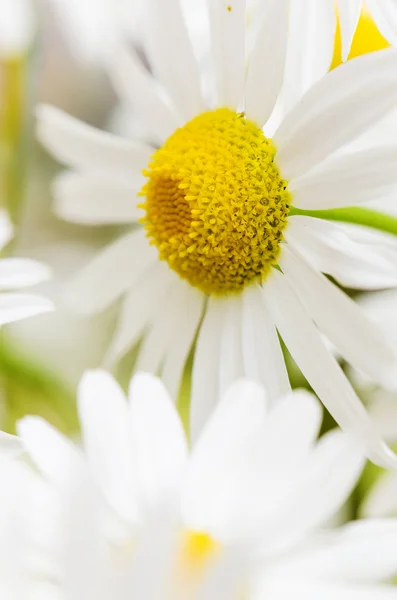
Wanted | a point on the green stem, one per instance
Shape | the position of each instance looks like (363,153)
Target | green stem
(353,214)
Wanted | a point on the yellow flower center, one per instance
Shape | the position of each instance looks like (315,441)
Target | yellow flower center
(216,205)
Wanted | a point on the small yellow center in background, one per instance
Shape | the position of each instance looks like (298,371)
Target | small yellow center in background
(216,205)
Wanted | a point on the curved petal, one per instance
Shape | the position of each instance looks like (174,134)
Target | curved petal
(84,147)
(227,20)
(266,67)
(313,129)
(356,338)
(321,369)
(96,200)
(347,180)
(22,272)
(381,500)
(15,307)
(384,13)
(171,55)
(349,14)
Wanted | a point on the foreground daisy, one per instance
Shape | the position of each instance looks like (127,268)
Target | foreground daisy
(241,508)
(18,273)
(216,203)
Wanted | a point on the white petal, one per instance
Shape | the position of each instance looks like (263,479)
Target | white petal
(266,68)
(355,337)
(263,357)
(139,308)
(321,369)
(6,228)
(238,416)
(96,200)
(79,145)
(312,26)
(112,272)
(349,13)
(53,454)
(352,262)
(171,54)
(381,500)
(227,20)
(21,272)
(10,445)
(311,589)
(347,180)
(206,366)
(158,436)
(384,13)
(103,413)
(327,118)
(231,365)
(14,307)
(175,360)
(134,84)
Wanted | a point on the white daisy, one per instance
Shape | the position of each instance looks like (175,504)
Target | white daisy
(216,202)
(256,486)
(18,273)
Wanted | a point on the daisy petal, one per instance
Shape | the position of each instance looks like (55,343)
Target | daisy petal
(10,445)
(158,436)
(311,131)
(94,200)
(174,64)
(354,263)
(349,13)
(175,360)
(119,265)
(262,354)
(231,359)
(6,229)
(15,307)
(282,589)
(135,85)
(53,454)
(79,145)
(355,337)
(22,272)
(321,369)
(227,21)
(381,501)
(103,414)
(205,375)
(139,308)
(312,26)
(384,14)
(266,68)
(347,180)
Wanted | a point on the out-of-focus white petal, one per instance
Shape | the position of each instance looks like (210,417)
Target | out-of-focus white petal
(384,13)
(14,307)
(22,272)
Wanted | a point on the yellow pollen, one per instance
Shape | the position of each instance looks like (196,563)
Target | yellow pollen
(197,551)
(216,205)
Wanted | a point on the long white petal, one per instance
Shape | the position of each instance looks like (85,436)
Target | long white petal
(231,365)
(96,200)
(15,307)
(227,21)
(103,413)
(356,338)
(139,308)
(10,445)
(84,147)
(327,116)
(206,364)
(263,357)
(138,88)
(347,180)
(349,13)
(6,228)
(111,273)
(384,13)
(355,263)
(266,67)
(158,437)
(22,272)
(321,369)
(171,55)
(310,47)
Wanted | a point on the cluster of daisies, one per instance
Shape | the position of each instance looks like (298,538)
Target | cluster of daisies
(226,257)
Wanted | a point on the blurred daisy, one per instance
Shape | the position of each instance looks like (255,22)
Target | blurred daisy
(242,508)
(17,273)
(216,203)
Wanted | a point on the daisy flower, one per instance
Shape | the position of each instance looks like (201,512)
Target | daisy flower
(221,252)
(147,510)
(18,273)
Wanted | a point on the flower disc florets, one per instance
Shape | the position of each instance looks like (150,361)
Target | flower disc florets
(216,205)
